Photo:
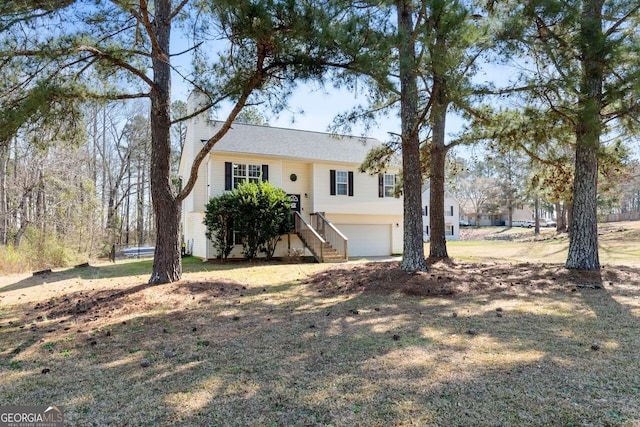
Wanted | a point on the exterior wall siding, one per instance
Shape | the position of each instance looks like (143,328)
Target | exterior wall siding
(217,161)
(523,214)
(365,199)
(301,185)
(199,193)
(194,234)
(282,248)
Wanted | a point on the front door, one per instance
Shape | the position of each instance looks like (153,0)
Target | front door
(295,207)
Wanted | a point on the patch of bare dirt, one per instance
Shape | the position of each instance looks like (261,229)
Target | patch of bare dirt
(102,306)
(451,279)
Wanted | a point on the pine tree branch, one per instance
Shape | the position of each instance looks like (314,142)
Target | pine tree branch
(118,62)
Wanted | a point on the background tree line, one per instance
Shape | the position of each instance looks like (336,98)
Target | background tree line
(493,183)
(80,196)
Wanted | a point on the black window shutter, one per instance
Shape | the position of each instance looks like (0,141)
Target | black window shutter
(426,210)
(350,174)
(380,185)
(228,179)
(332,182)
(265,173)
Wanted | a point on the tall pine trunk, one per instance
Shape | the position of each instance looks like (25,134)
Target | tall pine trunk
(583,244)
(167,264)
(438,153)
(438,239)
(140,189)
(413,251)
(4,209)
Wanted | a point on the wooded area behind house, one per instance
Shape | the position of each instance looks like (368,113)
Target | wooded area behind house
(69,201)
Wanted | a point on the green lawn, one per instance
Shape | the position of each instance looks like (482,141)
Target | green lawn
(619,244)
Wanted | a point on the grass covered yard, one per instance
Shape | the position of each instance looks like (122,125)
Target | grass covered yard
(476,341)
(619,244)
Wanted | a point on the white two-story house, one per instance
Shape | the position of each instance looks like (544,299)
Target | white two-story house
(341,212)
(451,215)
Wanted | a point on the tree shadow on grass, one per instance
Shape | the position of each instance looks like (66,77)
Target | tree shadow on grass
(85,272)
(123,269)
(617,253)
(340,351)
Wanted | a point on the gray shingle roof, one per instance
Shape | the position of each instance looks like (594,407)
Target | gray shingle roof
(292,143)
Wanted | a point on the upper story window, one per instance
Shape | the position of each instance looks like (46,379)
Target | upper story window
(340,183)
(245,172)
(387,185)
(237,173)
(447,211)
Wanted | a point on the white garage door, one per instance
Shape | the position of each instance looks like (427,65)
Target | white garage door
(367,240)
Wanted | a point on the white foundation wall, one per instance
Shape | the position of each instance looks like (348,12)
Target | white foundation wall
(288,244)
(194,234)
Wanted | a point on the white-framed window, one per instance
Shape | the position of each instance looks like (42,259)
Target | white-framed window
(342,183)
(389,185)
(245,172)
(237,173)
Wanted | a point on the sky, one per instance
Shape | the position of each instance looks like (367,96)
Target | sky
(310,109)
(314,109)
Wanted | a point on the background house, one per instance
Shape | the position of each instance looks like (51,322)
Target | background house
(496,216)
(318,170)
(451,215)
